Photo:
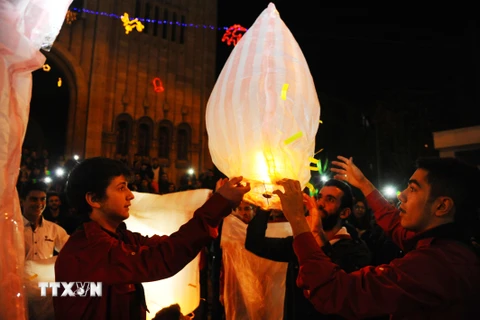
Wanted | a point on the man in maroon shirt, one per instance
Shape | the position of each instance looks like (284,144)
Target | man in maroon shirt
(439,276)
(103,250)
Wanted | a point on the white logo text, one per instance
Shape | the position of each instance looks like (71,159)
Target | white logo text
(72,289)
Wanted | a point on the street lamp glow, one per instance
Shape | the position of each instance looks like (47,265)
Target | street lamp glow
(47,180)
(59,172)
(389,191)
(324,178)
(191,171)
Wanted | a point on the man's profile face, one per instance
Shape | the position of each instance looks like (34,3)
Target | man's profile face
(34,204)
(116,203)
(416,207)
(328,202)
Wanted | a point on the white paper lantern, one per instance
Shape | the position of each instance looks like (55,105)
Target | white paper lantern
(263,113)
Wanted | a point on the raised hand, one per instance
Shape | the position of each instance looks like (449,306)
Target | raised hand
(220,183)
(349,172)
(292,205)
(310,203)
(232,189)
(292,199)
(313,219)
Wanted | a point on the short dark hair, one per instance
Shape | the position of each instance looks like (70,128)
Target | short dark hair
(451,177)
(172,312)
(347,198)
(33,186)
(52,194)
(92,175)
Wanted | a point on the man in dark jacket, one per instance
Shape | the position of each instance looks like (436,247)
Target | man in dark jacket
(332,206)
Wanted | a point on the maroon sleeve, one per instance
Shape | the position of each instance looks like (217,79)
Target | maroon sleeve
(388,219)
(414,282)
(116,262)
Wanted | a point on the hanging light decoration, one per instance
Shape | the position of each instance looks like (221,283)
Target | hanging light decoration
(263,113)
(129,25)
(233,34)
(70,16)
(158,85)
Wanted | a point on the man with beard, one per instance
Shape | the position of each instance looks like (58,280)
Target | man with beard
(55,212)
(332,205)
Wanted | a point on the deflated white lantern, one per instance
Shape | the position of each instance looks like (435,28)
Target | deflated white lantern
(263,113)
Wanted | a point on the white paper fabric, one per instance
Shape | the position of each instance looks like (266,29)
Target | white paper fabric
(164,214)
(263,113)
(27,26)
(39,308)
(254,287)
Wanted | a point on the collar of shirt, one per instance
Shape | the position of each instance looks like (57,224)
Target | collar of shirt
(444,231)
(92,227)
(341,234)
(27,223)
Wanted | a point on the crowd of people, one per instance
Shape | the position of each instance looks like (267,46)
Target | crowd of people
(348,258)
(149,175)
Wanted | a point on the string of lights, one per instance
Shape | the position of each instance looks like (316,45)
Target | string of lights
(204,26)
(145,20)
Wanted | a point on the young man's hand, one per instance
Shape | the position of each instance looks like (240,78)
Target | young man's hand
(314,220)
(232,189)
(349,172)
(292,205)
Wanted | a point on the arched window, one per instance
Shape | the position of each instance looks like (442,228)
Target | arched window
(144,136)
(123,133)
(165,129)
(183,141)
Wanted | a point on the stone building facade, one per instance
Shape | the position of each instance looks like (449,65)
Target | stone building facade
(142,92)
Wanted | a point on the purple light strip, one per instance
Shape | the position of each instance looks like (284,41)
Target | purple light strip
(113,15)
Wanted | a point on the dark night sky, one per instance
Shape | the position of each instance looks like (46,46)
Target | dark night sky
(419,62)
(360,53)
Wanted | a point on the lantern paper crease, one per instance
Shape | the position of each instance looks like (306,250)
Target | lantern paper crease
(263,113)
(254,287)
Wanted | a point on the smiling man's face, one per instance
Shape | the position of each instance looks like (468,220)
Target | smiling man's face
(34,204)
